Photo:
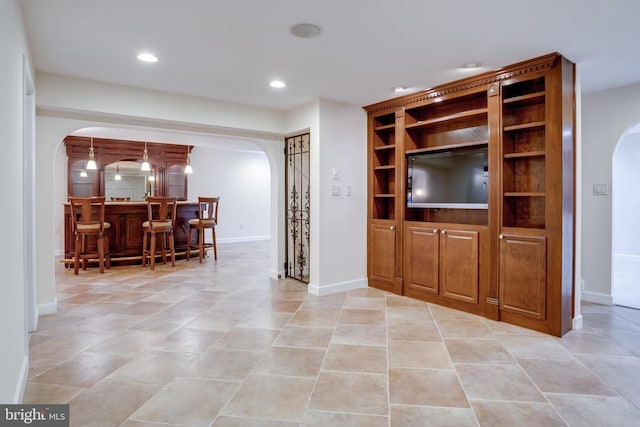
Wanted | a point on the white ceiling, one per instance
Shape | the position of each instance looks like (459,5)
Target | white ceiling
(230,50)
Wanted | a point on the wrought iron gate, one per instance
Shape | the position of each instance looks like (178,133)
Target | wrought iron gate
(297,182)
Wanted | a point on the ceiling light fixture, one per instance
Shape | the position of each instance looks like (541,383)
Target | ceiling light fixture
(305,30)
(188,169)
(145,160)
(277,84)
(118,177)
(472,65)
(399,88)
(91,163)
(147,57)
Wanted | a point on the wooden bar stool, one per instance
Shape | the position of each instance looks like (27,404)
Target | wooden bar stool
(207,219)
(161,213)
(87,219)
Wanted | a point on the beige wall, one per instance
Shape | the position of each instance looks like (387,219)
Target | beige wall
(606,116)
(14,56)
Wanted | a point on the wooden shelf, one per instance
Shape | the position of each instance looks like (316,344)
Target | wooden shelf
(384,127)
(385,147)
(524,194)
(525,155)
(529,99)
(385,167)
(524,126)
(470,144)
(384,196)
(449,118)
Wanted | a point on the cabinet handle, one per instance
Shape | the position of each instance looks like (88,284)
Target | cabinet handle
(393,227)
(435,231)
(501,236)
(444,231)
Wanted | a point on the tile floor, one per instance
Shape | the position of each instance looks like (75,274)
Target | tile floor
(221,344)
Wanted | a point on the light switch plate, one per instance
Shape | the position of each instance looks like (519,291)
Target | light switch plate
(600,189)
(335,189)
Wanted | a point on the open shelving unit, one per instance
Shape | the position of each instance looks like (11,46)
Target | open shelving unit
(524,151)
(447,122)
(384,166)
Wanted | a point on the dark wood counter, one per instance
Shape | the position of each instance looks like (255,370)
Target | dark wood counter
(125,233)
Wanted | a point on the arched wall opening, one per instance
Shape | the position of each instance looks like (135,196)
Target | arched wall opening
(625,254)
(254,165)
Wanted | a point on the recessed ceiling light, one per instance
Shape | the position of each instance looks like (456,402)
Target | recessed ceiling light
(471,65)
(305,30)
(277,84)
(399,88)
(147,57)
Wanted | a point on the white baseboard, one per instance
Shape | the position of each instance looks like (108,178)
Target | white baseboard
(22,381)
(243,239)
(48,308)
(631,257)
(576,322)
(597,298)
(337,287)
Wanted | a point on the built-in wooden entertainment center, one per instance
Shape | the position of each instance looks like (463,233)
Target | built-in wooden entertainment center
(513,260)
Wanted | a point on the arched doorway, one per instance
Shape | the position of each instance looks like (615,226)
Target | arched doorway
(625,256)
(237,169)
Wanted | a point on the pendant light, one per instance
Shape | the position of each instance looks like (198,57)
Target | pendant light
(188,169)
(91,163)
(83,173)
(145,160)
(118,177)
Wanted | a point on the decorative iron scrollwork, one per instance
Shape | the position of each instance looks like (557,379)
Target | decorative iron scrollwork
(298,222)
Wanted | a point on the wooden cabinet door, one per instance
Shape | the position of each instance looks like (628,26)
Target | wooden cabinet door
(114,232)
(459,265)
(421,247)
(523,275)
(133,232)
(382,254)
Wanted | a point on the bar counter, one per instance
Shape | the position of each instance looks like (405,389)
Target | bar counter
(125,234)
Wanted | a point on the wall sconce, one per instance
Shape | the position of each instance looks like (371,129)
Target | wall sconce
(145,160)
(118,177)
(91,163)
(188,169)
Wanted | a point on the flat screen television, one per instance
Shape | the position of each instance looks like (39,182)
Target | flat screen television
(456,179)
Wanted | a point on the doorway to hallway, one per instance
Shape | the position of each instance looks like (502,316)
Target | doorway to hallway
(625,260)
